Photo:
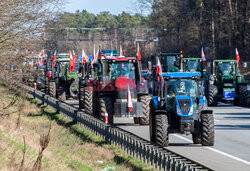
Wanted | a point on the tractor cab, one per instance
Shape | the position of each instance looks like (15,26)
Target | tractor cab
(171,62)
(192,65)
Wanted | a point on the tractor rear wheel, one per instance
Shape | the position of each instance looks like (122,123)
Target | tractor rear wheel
(242,96)
(61,94)
(46,86)
(81,97)
(144,120)
(212,95)
(207,129)
(88,100)
(52,88)
(161,130)
(106,105)
(152,126)
(196,138)
(137,120)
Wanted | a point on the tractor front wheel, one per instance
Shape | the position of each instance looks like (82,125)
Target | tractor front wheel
(81,97)
(161,130)
(242,96)
(196,138)
(106,106)
(207,129)
(212,95)
(88,100)
(61,94)
(144,120)
(46,86)
(52,88)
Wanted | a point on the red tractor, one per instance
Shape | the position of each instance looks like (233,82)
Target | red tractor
(117,90)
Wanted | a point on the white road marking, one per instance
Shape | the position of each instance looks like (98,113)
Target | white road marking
(217,151)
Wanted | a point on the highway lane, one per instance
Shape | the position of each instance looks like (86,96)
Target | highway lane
(232,139)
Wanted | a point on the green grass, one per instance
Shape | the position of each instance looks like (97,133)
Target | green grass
(121,158)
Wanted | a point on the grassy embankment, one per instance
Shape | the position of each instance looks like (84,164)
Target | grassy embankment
(70,147)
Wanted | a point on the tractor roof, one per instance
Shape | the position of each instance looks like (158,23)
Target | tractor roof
(181,74)
(229,60)
(169,54)
(192,59)
(121,58)
(63,60)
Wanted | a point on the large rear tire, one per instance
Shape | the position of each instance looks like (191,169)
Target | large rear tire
(81,97)
(207,129)
(61,94)
(196,138)
(46,86)
(161,130)
(88,100)
(52,88)
(212,95)
(106,105)
(242,96)
(144,120)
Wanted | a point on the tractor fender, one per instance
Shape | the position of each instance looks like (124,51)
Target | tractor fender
(207,112)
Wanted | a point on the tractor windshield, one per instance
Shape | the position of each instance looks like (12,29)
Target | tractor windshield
(226,68)
(192,66)
(169,64)
(181,87)
(175,87)
(124,69)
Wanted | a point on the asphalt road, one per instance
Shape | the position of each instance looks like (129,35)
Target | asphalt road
(232,139)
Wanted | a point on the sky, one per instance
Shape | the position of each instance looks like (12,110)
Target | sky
(97,6)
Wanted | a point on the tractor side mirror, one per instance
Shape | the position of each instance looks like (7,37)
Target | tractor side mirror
(244,65)
(149,65)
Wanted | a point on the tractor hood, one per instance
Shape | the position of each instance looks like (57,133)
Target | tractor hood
(227,77)
(184,105)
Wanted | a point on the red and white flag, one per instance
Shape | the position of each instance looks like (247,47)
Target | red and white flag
(138,53)
(54,60)
(203,58)
(85,57)
(237,56)
(41,54)
(71,63)
(129,98)
(75,56)
(121,53)
(159,72)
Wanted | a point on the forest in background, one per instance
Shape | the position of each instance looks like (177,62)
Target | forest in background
(219,26)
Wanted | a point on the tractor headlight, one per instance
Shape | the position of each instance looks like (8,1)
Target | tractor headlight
(191,110)
(178,110)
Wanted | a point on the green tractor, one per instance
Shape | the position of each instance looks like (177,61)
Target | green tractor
(196,65)
(227,84)
(171,62)
(66,83)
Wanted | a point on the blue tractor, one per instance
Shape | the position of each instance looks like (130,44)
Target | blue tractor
(179,106)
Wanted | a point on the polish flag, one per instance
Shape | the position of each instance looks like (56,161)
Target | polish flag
(54,60)
(71,63)
(75,56)
(237,57)
(138,53)
(129,98)
(85,57)
(121,53)
(159,71)
(203,56)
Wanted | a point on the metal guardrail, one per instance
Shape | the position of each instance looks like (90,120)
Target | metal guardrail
(135,146)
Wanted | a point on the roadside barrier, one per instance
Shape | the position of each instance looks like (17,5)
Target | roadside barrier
(159,158)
